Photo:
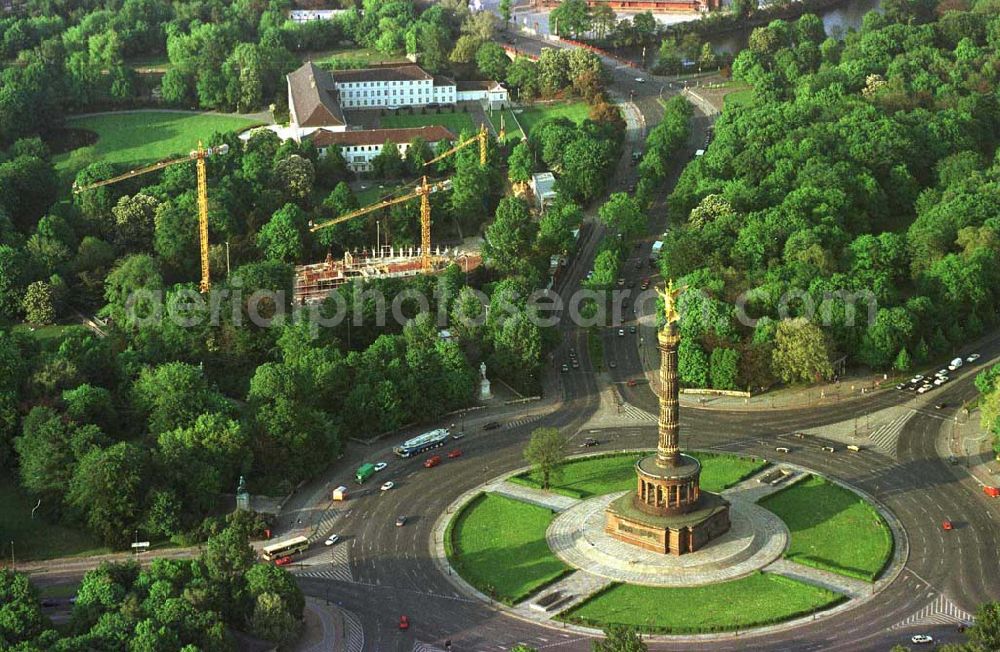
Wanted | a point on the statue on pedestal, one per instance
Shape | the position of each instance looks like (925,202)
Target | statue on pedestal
(484,384)
(242,496)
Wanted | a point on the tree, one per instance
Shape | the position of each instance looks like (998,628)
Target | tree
(107,487)
(520,164)
(13,275)
(492,61)
(692,364)
(271,620)
(388,164)
(132,274)
(510,236)
(546,451)
(801,353)
(505,11)
(723,368)
(603,18)
(570,17)
(282,237)
(418,153)
(174,395)
(903,362)
(295,176)
(21,616)
(622,214)
(984,634)
(38,304)
(133,225)
(620,638)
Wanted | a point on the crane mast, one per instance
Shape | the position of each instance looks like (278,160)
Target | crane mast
(198,156)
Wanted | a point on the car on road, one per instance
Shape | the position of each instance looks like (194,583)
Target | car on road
(631,329)
(565,368)
(782,449)
(940,380)
(940,406)
(992,492)
(455,453)
(380,466)
(902,386)
(924,389)
(612,364)
(829,449)
(458,435)
(492,425)
(388,485)
(283,561)
(432,461)
(621,332)
(640,80)
(972,357)
(400,521)
(947,525)
(631,382)
(916,379)
(334,538)
(576,363)
(621,282)
(952,459)
(921,638)
(589,442)
(404,622)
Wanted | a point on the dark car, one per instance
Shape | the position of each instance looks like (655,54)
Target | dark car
(400,521)
(492,425)
(588,442)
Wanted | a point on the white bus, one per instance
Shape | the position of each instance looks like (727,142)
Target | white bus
(426,441)
(285,548)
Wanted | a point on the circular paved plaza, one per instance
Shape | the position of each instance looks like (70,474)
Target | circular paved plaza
(755,539)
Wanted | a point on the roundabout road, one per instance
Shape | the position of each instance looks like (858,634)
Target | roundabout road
(391,572)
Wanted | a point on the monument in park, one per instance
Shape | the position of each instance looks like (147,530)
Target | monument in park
(485,393)
(668,513)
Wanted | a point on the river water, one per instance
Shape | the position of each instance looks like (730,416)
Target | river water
(837,21)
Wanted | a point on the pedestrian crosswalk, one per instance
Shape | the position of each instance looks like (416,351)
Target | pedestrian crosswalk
(941,611)
(353,632)
(630,411)
(517,423)
(419,646)
(338,568)
(325,525)
(886,437)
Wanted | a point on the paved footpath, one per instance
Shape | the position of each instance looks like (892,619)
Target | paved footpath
(832,581)
(538,497)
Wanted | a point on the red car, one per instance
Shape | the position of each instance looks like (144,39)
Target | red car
(283,561)
(455,453)
(631,382)
(432,461)
(991,491)
(404,622)
(946,525)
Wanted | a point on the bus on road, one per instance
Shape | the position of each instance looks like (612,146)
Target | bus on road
(364,472)
(426,441)
(285,548)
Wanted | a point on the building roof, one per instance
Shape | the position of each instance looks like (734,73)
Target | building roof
(441,80)
(404,72)
(431,134)
(314,97)
(472,85)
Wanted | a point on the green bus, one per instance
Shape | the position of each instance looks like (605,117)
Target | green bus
(365,471)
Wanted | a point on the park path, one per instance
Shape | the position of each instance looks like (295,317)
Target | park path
(833,581)
(260,116)
(555,502)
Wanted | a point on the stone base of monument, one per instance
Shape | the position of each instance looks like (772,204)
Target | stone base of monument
(484,390)
(753,539)
(675,534)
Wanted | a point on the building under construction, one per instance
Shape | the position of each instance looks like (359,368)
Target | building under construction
(313,283)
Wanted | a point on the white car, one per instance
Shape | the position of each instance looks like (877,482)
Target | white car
(640,80)
(921,638)
(941,372)
(334,538)
(925,389)
(916,379)
(940,380)
(380,466)
(952,367)
(972,358)
(621,332)
(388,485)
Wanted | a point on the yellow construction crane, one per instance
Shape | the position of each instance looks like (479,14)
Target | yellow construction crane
(423,191)
(199,155)
(480,138)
